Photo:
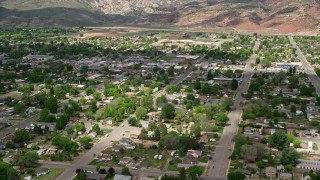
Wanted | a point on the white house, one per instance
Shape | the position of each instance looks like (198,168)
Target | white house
(309,165)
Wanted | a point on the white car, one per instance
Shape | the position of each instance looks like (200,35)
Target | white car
(107,135)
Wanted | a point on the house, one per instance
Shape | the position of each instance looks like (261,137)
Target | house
(51,151)
(194,153)
(285,176)
(28,178)
(271,172)
(305,176)
(121,177)
(109,121)
(127,143)
(125,160)
(160,106)
(93,135)
(30,110)
(243,171)
(95,176)
(280,168)
(74,119)
(19,169)
(105,157)
(204,138)
(189,159)
(150,134)
(42,171)
(41,151)
(144,124)
(309,165)
(117,147)
(299,113)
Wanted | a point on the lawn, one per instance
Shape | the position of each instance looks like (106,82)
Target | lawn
(144,155)
(203,159)
(315,147)
(167,58)
(53,173)
(173,165)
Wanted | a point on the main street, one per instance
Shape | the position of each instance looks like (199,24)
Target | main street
(306,66)
(218,166)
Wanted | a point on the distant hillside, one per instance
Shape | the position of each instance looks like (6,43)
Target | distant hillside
(256,15)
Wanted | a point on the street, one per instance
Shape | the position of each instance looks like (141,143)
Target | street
(85,159)
(177,81)
(220,159)
(307,67)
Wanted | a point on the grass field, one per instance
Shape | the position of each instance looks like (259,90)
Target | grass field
(53,174)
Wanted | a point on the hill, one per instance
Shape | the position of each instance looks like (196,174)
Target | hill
(255,15)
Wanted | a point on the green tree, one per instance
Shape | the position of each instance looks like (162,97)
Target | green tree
(197,85)
(278,140)
(133,121)
(6,171)
(141,112)
(19,108)
(161,99)
(222,119)
(168,111)
(74,91)
(9,144)
(97,96)
(21,136)
(125,171)
(81,176)
(29,159)
(61,122)
(45,116)
(85,142)
(234,84)
(182,173)
(163,130)
(89,90)
(296,143)
(235,175)
(288,168)
(96,129)
(194,172)
(195,131)
(209,75)
(147,102)
(80,127)
(293,108)
(289,156)
(265,63)
(84,69)
(249,153)
(51,104)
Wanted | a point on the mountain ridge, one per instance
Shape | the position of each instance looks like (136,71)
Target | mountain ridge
(254,15)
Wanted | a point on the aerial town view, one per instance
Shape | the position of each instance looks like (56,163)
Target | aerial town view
(141,91)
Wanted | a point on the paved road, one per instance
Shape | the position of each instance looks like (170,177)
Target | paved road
(20,124)
(306,66)
(84,160)
(143,172)
(220,159)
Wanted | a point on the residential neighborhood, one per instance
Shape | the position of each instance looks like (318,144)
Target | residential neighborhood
(157,105)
